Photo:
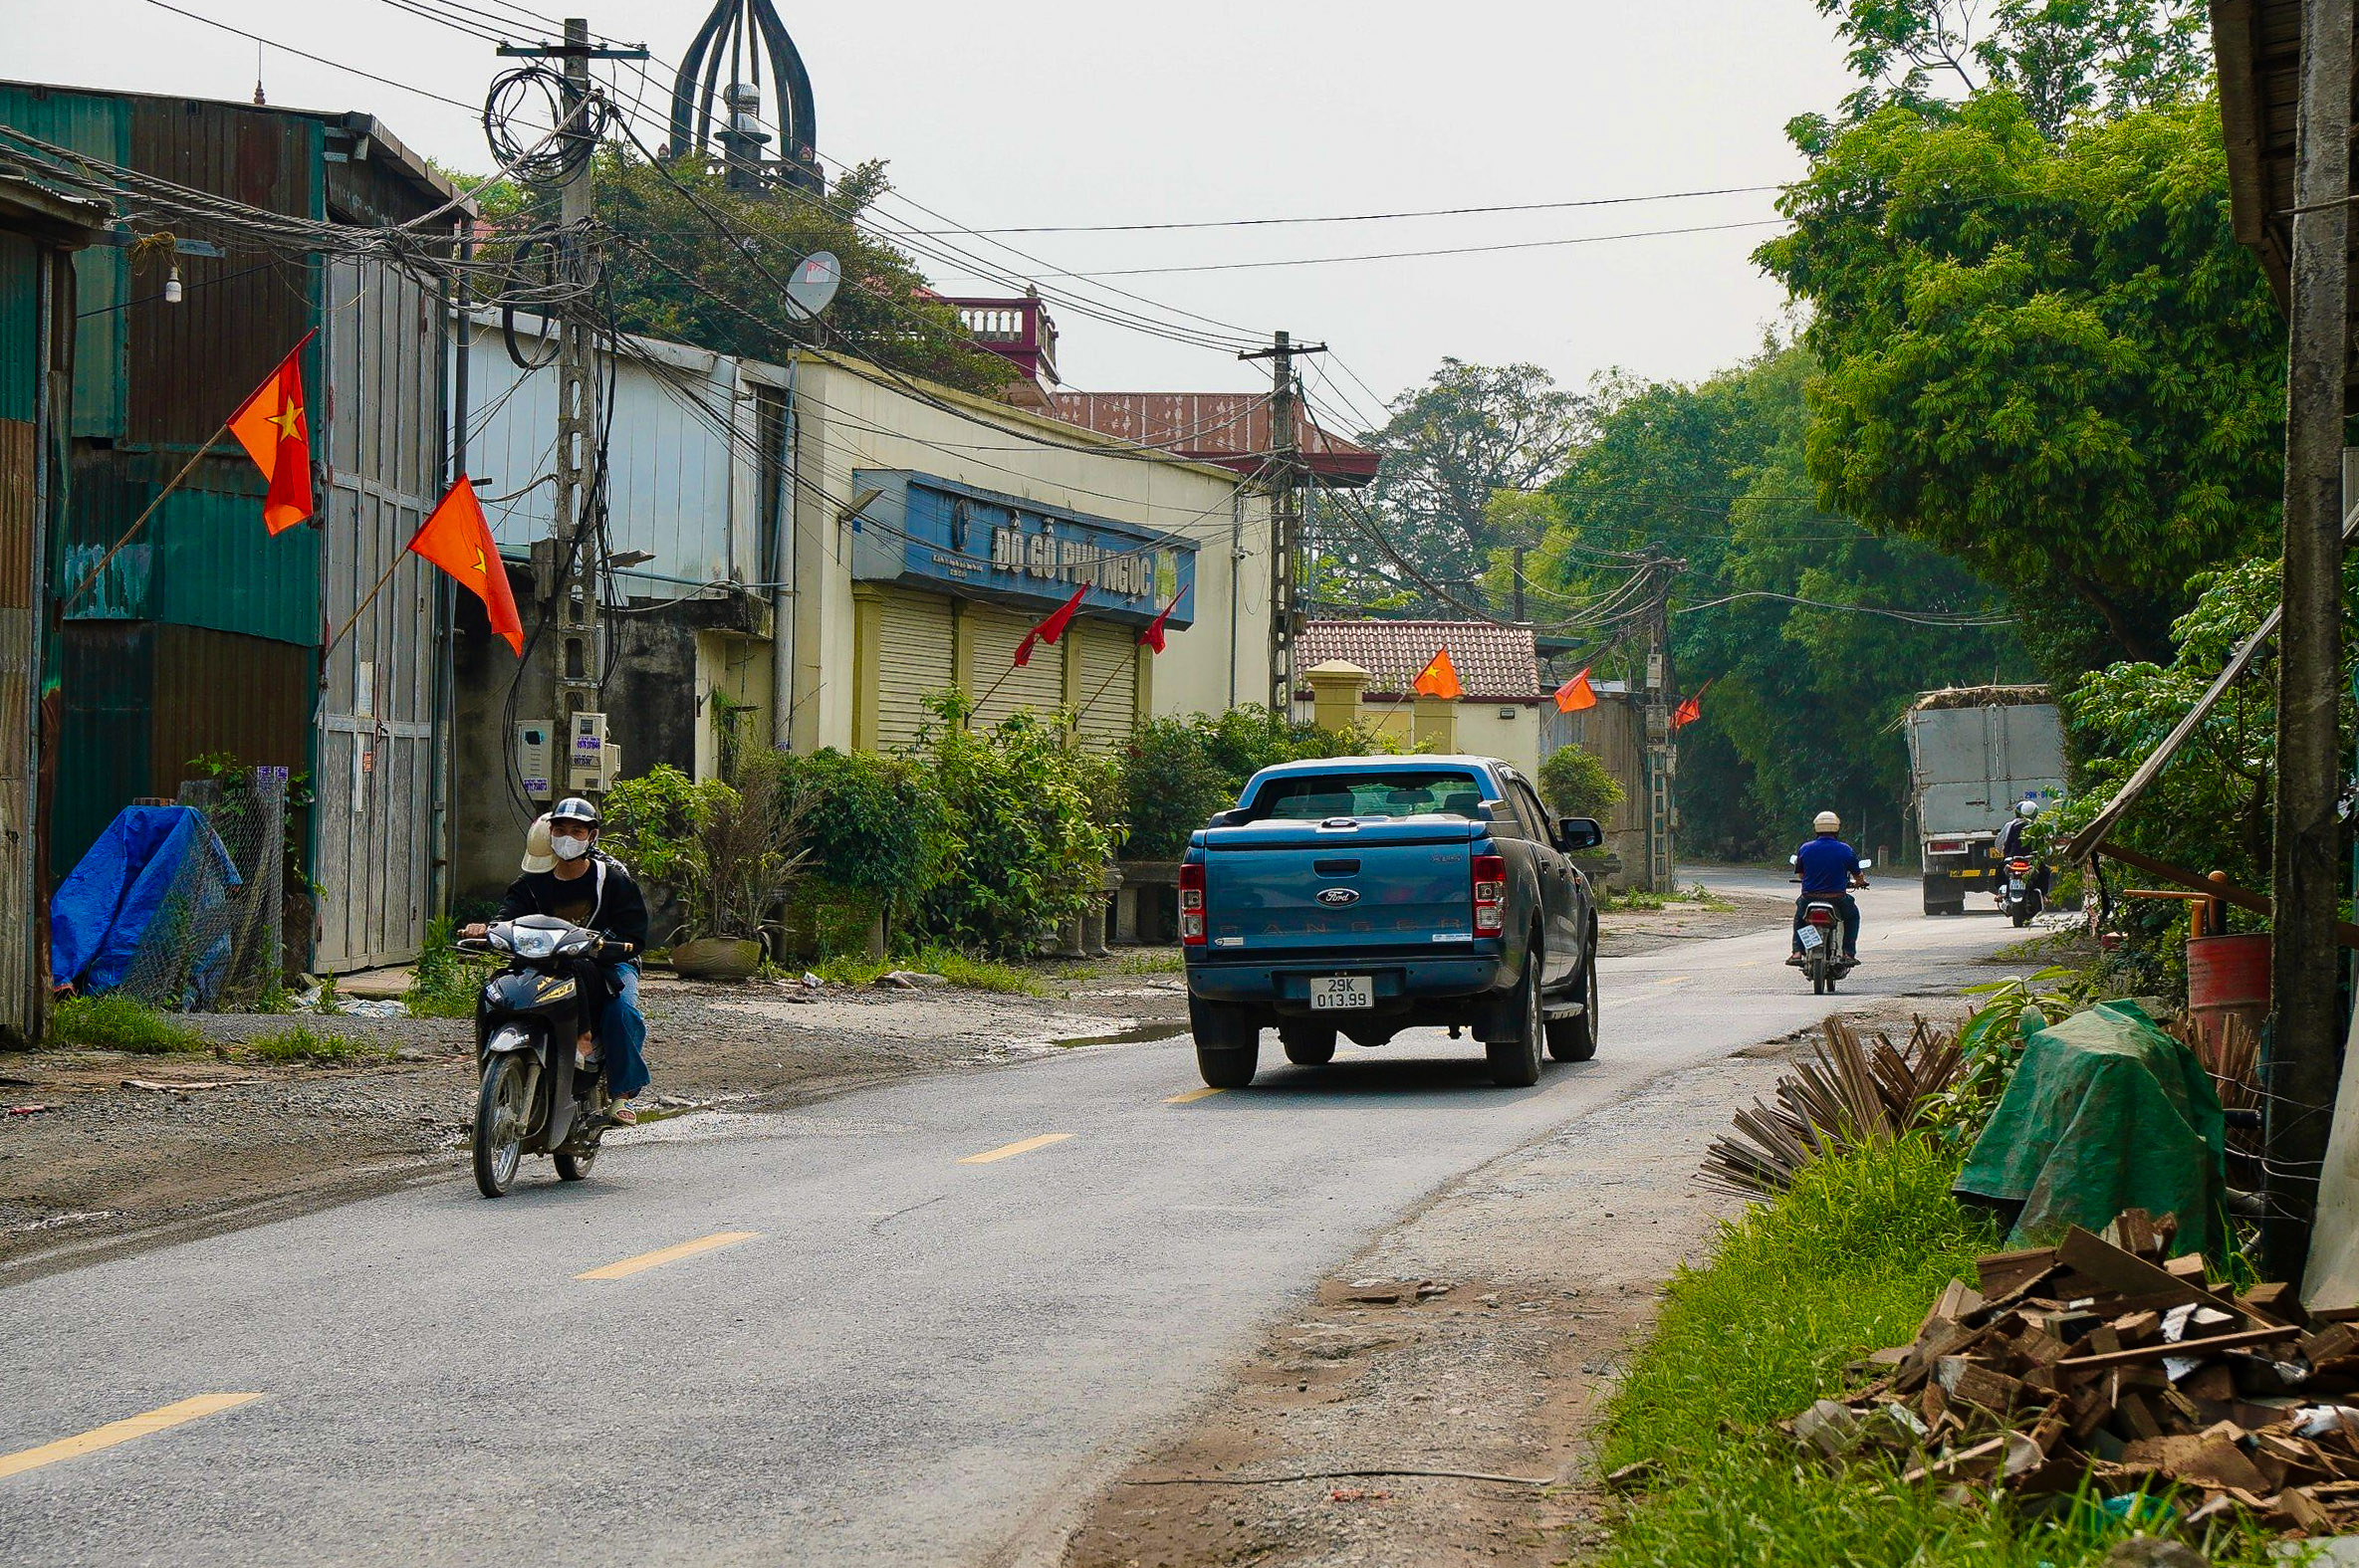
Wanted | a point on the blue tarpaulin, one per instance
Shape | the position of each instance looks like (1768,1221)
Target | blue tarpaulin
(119,896)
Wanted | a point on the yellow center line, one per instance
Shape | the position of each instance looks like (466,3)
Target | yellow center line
(669,1254)
(123,1431)
(1673,979)
(1193,1095)
(1025,1147)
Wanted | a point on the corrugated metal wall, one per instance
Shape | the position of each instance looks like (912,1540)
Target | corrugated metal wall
(1039,685)
(372,834)
(670,469)
(1108,696)
(100,126)
(21,336)
(204,560)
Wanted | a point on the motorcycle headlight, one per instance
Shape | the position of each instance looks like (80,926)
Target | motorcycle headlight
(533,944)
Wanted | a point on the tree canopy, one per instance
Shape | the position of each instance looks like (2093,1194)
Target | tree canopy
(674,275)
(2048,360)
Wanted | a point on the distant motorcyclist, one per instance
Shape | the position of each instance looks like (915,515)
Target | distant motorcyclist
(1829,870)
(575,881)
(2012,846)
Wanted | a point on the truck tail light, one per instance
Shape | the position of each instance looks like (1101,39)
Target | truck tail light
(1191,906)
(1946,846)
(1491,894)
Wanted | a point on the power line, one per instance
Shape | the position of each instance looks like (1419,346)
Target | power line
(1948,619)
(1370,217)
(1446,250)
(317,59)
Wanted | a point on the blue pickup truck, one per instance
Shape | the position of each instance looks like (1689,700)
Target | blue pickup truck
(1364,895)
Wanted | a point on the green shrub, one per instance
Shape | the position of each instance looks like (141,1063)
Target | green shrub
(651,824)
(300,1045)
(1576,783)
(444,981)
(1176,773)
(874,824)
(961,970)
(1027,829)
(116,1022)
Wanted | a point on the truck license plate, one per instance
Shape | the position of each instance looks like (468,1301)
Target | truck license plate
(1329,992)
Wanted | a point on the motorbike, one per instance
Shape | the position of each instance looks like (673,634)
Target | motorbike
(2019,894)
(1821,936)
(533,1099)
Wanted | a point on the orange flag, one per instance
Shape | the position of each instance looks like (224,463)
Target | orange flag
(1689,712)
(1051,627)
(1576,694)
(1439,678)
(269,425)
(458,540)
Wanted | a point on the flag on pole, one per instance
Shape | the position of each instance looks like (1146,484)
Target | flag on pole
(1576,694)
(1153,637)
(1439,678)
(458,540)
(269,425)
(1689,712)
(1050,628)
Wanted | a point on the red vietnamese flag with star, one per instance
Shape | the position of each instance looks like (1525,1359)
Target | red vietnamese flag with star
(271,426)
(457,538)
(1439,678)
(1050,628)
(1576,694)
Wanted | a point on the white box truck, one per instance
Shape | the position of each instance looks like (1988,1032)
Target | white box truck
(1974,751)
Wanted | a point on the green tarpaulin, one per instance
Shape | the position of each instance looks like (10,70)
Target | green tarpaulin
(2105,1112)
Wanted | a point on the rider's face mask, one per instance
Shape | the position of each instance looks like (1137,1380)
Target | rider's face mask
(567,847)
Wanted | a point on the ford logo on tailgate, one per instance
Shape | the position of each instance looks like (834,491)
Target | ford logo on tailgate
(1338,897)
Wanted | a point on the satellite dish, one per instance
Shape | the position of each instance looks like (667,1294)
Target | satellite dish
(812,285)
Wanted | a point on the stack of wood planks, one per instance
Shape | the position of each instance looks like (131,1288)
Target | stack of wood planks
(2098,1361)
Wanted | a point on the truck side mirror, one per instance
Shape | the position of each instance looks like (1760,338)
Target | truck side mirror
(1575,833)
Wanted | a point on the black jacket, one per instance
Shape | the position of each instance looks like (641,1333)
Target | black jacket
(607,900)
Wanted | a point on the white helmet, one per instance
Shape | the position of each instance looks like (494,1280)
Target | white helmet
(1828,822)
(2026,809)
(538,856)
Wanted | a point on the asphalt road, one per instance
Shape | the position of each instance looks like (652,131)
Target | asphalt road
(889,1351)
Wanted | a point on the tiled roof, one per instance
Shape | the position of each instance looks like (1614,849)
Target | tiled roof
(1493,663)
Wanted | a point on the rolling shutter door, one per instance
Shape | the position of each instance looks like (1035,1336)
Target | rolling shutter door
(1109,683)
(1039,686)
(912,663)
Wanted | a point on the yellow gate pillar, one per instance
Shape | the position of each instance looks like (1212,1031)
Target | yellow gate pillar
(1434,724)
(1334,693)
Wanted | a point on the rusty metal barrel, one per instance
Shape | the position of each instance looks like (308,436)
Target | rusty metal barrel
(2227,977)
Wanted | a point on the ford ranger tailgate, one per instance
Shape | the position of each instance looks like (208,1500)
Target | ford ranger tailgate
(1342,887)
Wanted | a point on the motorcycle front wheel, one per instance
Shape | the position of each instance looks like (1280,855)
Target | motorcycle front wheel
(500,1117)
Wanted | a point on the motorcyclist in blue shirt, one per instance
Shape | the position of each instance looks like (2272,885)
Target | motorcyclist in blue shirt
(1829,870)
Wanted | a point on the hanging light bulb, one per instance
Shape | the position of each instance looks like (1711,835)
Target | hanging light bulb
(172,285)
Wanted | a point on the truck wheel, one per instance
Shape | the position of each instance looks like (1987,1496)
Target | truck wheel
(1227,1045)
(1576,1039)
(1514,1062)
(1308,1044)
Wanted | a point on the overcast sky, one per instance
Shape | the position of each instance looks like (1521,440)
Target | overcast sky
(1057,111)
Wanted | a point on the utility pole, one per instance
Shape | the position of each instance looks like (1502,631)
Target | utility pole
(1662,747)
(574,564)
(2300,1073)
(1286,515)
(1518,616)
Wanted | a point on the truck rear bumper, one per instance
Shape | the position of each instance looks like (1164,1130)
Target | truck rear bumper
(1419,987)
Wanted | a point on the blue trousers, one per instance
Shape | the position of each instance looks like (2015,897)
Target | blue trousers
(623,1033)
(1845,906)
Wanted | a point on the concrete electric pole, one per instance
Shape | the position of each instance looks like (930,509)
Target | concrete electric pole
(573,582)
(2300,1070)
(1286,476)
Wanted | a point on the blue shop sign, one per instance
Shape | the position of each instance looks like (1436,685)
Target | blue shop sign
(944,537)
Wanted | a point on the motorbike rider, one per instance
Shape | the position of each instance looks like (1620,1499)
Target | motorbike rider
(1829,870)
(581,883)
(2010,844)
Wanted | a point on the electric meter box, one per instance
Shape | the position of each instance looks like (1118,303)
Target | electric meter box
(535,757)
(591,761)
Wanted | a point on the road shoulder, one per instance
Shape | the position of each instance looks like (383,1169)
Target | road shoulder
(1517,1292)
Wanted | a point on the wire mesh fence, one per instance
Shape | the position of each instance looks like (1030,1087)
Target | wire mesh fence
(216,937)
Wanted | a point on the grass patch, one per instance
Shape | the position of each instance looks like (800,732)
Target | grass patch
(1844,1263)
(960,969)
(1150,961)
(119,1023)
(1633,898)
(444,981)
(299,1046)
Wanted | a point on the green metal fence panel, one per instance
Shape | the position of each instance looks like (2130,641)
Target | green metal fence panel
(20,326)
(203,558)
(100,127)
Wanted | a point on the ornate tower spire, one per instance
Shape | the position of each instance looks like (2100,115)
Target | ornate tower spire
(709,116)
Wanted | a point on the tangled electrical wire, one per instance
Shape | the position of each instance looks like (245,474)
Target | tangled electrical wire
(521,102)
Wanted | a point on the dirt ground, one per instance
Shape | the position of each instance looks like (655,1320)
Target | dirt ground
(1626,933)
(222,1140)
(1433,1351)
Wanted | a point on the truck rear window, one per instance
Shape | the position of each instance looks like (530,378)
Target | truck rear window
(1418,791)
